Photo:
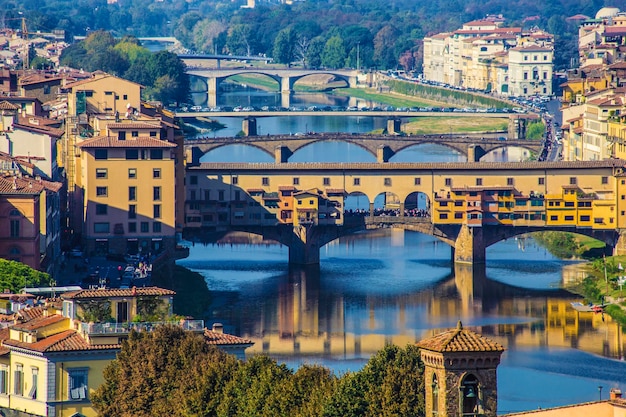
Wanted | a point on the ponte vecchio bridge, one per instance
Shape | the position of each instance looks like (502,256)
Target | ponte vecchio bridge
(383,147)
(470,206)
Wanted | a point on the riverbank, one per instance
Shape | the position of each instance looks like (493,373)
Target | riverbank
(193,297)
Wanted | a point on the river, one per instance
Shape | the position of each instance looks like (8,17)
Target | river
(392,286)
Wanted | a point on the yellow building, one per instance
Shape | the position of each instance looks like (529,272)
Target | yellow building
(53,357)
(143,146)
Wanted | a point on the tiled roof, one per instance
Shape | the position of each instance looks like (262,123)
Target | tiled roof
(218,338)
(4,335)
(38,124)
(64,341)
(5,105)
(242,167)
(27,314)
(335,191)
(460,340)
(114,142)
(117,292)
(135,125)
(286,188)
(39,322)
(15,185)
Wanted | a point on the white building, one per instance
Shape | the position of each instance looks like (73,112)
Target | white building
(530,70)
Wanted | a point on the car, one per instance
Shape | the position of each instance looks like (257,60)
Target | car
(132,259)
(130,269)
(76,253)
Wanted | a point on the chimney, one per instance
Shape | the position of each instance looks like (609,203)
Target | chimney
(615,393)
(218,328)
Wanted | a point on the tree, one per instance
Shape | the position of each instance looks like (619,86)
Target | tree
(168,371)
(384,47)
(284,46)
(314,52)
(334,53)
(15,276)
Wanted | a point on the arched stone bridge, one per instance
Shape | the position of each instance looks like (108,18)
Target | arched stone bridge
(285,78)
(467,205)
(383,147)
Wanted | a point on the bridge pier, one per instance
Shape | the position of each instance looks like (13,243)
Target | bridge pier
(474,153)
(394,126)
(282,154)
(620,246)
(212,84)
(304,248)
(285,99)
(383,154)
(469,247)
(469,281)
(248,126)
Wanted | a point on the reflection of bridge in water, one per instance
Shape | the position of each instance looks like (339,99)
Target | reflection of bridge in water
(300,323)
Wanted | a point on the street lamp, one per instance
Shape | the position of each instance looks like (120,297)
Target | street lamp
(358,56)
(600,391)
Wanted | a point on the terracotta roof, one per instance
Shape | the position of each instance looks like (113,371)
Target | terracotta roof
(218,338)
(4,335)
(255,190)
(27,314)
(64,341)
(39,322)
(117,292)
(486,188)
(618,65)
(5,105)
(135,125)
(114,142)
(335,191)
(460,340)
(14,185)
(36,124)
(286,188)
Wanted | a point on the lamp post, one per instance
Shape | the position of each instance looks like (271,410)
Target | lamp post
(600,391)
(358,56)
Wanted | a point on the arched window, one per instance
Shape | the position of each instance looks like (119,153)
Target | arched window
(469,396)
(435,395)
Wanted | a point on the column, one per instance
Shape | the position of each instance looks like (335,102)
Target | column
(304,248)
(469,246)
(212,91)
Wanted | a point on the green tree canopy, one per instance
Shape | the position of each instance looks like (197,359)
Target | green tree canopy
(16,276)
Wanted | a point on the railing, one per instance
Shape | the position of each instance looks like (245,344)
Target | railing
(125,328)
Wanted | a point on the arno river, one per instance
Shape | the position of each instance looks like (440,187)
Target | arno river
(391,286)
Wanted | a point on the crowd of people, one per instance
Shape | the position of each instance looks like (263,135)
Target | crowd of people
(415,212)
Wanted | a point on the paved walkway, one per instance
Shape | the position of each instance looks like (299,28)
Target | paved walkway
(92,271)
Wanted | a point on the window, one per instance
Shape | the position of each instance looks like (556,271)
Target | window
(156,173)
(458,215)
(220,195)
(88,93)
(443,216)
(569,204)
(101,172)
(417,181)
(156,227)
(569,218)
(4,379)
(572,180)
(554,218)
(132,173)
(101,227)
(235,180)
(77,383)
(156,211)
(525,75)
(145,227)
(265,181)
(15,228)
(134,133)
(101,154)
(156,193)
(545,75)
(357,181)
(605,180)
(156,153)
(101,191)
(326,181)
(448,182)
(18,380)
(296,181)
(132,193)
(121,135)
(388,182)
(509,181)
(33,388)
(132,211)
(541,181)
(125,97)
(132,227)
(193,180)
(479,181)
(101,209)
(132,154)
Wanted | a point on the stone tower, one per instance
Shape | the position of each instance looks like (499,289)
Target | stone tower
(460,374)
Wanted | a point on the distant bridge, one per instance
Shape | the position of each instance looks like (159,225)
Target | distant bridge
(383,147)
(285,78)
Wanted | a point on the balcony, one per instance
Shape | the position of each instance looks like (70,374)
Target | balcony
(101,329)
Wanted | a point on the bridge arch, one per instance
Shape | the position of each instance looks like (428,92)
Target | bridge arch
(403,150)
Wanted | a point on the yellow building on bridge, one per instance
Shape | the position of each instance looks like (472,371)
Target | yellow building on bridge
(469,206)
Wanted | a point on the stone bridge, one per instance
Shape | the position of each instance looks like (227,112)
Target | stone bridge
(469,206)
(286,78)
(383,147)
